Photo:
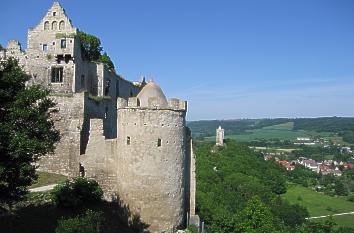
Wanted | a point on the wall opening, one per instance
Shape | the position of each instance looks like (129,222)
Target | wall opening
(81,170)
(108,85)
(54,13)
(57,75)
(106,113)
(158,142)
(63,43)
(54,25)
(61,25)
(128,140)
(46,25)
(45,47)
(83,81)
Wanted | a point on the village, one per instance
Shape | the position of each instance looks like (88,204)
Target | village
(324,167)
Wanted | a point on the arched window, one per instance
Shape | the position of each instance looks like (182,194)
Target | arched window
(54,25)
(61,25)
(46,25)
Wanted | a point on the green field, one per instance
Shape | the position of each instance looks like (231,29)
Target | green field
(319,204)
(45,178)
(282,131)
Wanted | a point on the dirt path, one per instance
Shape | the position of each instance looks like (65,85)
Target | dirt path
(43,188)
(325,216)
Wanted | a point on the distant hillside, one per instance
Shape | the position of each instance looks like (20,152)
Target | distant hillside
(342,126)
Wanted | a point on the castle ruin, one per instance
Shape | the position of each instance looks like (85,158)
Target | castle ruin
(126,135)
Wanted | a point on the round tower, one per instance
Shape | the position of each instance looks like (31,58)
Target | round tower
(152,146)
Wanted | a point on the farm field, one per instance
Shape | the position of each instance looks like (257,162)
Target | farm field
(319,204)
(281,131)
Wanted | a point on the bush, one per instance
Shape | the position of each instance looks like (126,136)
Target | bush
(90,222)
(351,198)
(77,192)
(192,229)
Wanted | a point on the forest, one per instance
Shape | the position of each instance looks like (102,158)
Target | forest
(238,191)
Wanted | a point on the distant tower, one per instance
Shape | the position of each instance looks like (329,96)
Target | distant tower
(219,136)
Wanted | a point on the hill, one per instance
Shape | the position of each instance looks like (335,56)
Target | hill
(335,128)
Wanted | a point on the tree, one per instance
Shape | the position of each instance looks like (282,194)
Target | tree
(77,192)
(340,188)
(90,46)
(255,218)
(26,130)
(91,49)
(105,59)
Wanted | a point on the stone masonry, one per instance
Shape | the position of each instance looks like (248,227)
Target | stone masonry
(126,135)
(220,136)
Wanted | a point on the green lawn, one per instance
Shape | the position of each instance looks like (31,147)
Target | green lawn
(319,204)
(45,178)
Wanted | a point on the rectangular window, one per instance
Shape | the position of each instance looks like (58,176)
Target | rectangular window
(45,48)
(128,140)
(63,44)
(57,74)
(159,142)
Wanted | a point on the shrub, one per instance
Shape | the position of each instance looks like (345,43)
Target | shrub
(90,222)
(351,198)
(77,192)
(192,229)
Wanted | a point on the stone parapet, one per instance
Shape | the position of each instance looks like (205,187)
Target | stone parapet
(133,102)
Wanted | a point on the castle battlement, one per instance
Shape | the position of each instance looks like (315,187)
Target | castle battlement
(127,135)
(153,104)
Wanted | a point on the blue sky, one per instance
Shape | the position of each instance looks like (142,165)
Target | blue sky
(229,59)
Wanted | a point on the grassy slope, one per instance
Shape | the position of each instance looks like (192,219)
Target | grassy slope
(45,178)
(319,204)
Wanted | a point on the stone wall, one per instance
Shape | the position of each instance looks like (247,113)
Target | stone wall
(99,161)
(151,164)
(69,118)
(141,154)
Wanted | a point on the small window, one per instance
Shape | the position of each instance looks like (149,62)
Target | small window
(159,142)
(45,47)
(57,74)
(54,25)
(106,89)
(128,140)
(63,44)
(61,25)
(53,42)
(106,113)
(83,81)
(46,25)
(54,13)
(81,170)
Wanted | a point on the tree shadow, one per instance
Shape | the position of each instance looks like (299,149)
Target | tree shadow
(43,218)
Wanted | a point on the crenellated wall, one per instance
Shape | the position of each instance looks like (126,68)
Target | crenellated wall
(141,154)
(152,155)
